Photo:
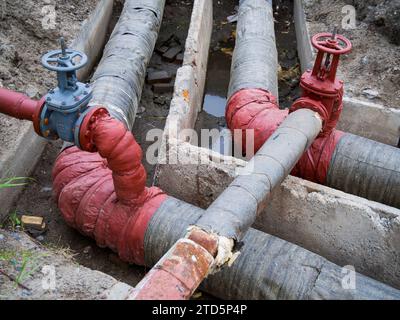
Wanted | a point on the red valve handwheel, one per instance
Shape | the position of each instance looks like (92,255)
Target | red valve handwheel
(325,42)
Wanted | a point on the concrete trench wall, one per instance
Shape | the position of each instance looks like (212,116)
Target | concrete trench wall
(25,152)
(346,229)
(364,118)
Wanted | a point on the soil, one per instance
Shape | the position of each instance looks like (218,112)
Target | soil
(384,16)
(23,40)
(373,64)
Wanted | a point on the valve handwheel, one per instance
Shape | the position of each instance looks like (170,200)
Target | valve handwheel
(331,43)
(64,60)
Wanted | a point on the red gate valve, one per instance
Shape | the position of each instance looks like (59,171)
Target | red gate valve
(322,91)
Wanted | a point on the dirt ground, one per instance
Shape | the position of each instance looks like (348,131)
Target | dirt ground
(26,33)
(371,71)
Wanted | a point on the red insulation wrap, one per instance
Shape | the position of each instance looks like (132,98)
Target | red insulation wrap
(254,109)
(314,163)
(257,109)
(103,195)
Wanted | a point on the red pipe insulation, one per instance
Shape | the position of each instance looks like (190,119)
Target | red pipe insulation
(103,195)
(257,109)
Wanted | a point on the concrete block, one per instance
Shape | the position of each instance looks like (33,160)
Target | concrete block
(158,77)
(171,53)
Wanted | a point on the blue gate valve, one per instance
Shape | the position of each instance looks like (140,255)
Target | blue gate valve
(65,105)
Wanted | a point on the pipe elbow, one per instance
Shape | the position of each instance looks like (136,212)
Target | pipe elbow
(256,110)
(104,195)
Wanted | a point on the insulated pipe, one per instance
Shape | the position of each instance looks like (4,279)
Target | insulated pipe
(119,78)
(267,267)
(254,35)
(84,188)
(230,216)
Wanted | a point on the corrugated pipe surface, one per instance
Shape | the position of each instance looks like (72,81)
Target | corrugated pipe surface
(119,78)
(366,168)
(254,35)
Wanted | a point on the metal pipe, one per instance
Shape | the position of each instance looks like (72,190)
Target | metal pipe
(255,59)
(366,168)
(231,215)
(18,105)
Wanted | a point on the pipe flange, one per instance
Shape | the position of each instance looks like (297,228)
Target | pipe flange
(83,134)
(316,106)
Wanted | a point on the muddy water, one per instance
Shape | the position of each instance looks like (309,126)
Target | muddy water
(217,84)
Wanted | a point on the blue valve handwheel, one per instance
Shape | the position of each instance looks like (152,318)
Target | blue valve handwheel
(65,63)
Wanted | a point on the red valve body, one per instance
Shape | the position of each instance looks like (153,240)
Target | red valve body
(322,91)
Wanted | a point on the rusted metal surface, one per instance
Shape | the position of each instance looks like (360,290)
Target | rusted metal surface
(206,240)
(177,275)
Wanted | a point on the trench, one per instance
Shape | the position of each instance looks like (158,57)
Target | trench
(36,199)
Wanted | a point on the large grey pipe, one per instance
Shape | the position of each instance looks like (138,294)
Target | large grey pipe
(119,78)
(267,267)
(366,168)
(255,59)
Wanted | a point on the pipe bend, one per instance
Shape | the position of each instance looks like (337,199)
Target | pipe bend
(257,110)
(104,195)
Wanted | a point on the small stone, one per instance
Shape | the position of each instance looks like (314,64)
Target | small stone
(46,189)
(40,238)
(364,60)
(171,54)
(141,110)
(160,88)
(179,58)
(31,91)
(161,50)
(87,250)
(1,237)
(158,77)
(370,94)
